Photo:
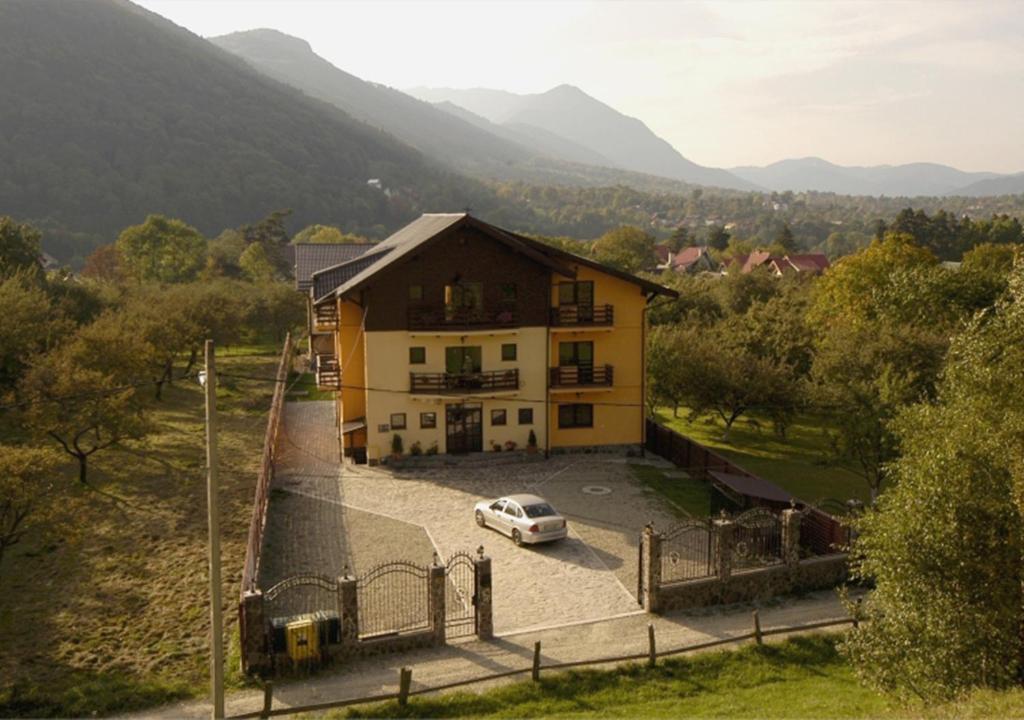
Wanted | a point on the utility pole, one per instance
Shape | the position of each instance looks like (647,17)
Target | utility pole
(213,509)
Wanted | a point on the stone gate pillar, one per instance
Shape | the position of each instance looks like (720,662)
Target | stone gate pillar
(348,601)
(650,569)
(252,632)
(791,536)
(437,602)
(724,534)
(482,597)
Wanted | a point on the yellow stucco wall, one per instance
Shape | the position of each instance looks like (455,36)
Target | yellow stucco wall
(387,376)
(618,412)
(350,347)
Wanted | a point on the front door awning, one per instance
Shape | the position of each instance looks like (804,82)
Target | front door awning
(353,425)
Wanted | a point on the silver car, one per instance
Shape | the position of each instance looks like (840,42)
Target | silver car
(525,518)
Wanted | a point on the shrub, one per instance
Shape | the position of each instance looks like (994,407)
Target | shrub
(495,446)
(396,444)
(416,448)
(531,441)
(510,445)
(432,450)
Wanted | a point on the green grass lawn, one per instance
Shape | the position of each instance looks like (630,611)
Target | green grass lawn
(105,609)
(804,677)
(801,462)
(688,497)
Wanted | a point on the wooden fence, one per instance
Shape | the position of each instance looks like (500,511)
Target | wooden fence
(651,656)
(265,475)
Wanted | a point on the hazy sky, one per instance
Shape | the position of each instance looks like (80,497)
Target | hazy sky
(727,83)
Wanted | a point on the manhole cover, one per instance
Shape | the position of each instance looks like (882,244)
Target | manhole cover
(597,490)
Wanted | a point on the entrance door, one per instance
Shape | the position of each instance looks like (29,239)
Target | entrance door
(464,425)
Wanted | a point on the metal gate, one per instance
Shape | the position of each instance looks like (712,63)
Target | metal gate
(688,552)
(757,539)
(460,595)
(393,598)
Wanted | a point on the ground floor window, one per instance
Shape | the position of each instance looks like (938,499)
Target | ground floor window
(428,420)
(398,421)
(498,417)
(526,416)
(576,415)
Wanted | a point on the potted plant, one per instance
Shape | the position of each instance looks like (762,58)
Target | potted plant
(495,446)
(396,446)
(416,448)
(510,445)
(531,443)
(432,449)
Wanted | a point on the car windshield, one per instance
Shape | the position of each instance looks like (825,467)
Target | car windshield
(536,511)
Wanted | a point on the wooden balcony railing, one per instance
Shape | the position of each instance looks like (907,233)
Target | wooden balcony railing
(328,372)
(479,382)
(441,318)
(582,376)
(326,316)
(575,315)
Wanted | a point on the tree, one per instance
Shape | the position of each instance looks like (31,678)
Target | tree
(943,548)
(679,239)
(82,396)
(785,239)
(719,375)
(19,246)
(627,248)
(664,371)
(104,264)
(162,249)
(255,265)
(717,237)
(326,234)
(29,323)
(26,479)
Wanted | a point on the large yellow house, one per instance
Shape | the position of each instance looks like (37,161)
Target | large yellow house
(458,336)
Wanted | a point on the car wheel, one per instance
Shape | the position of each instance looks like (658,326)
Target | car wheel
(480,519)
(517,538)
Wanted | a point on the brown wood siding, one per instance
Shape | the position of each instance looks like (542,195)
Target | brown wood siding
(472,257)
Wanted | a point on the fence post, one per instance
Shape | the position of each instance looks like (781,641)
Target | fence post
(437,604)
(758,638)
(724,536)
(253,632)
(482,596)
(791,536)
(348,600)
(268,699)
(650,566)
(535,673)
(652,653)
(404,682)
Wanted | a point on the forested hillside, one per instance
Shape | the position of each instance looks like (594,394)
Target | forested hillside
(113,113)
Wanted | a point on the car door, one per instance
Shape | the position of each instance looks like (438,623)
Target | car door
(512,513)
(497,518)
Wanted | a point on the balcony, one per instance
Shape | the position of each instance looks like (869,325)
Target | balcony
(328,372)
(423,317)
(582,376)
(582,316)
(325,317)
(460,383)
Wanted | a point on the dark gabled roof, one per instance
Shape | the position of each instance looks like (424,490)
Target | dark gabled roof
(314,257)
(752,486)
(326,281)
(349,276)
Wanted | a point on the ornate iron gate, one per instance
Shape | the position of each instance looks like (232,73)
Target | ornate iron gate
(460,595)
(688,552)
(757,539)
(393,598)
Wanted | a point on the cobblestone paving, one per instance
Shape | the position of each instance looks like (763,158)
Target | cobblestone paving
(323,518)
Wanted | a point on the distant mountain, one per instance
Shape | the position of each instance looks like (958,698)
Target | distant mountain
(112,112)
(568,112)
(812,173)
(1004,185)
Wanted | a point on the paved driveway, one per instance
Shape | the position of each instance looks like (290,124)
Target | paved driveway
(362,515)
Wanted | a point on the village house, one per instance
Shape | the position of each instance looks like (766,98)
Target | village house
(688,260)
(457,335)
(808,263)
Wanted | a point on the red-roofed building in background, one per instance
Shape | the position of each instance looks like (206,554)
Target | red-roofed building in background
(689,260)
(810,263)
